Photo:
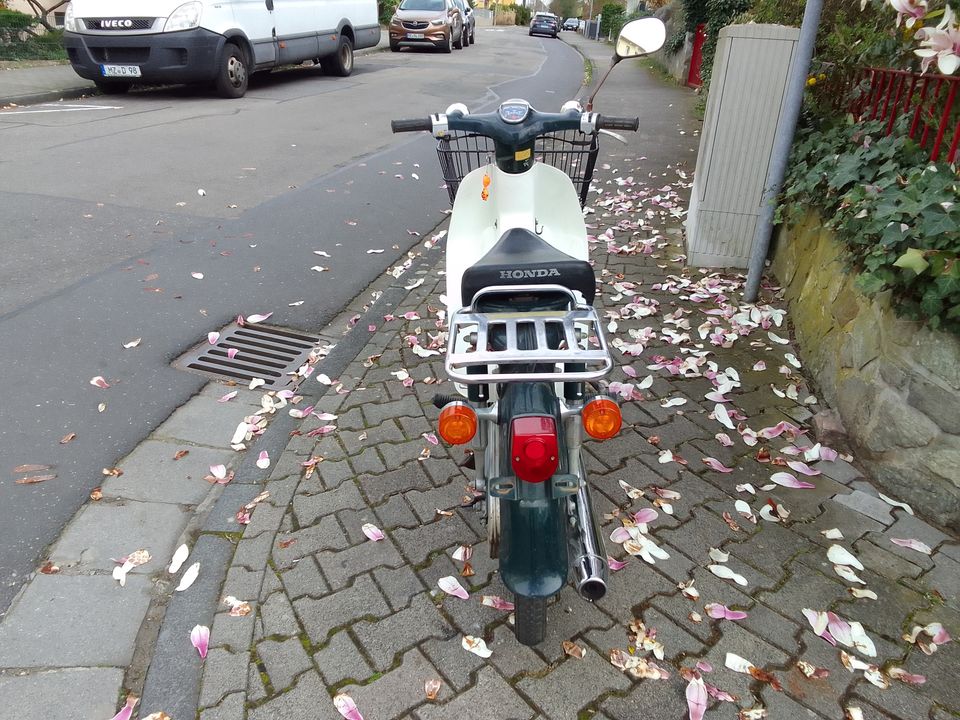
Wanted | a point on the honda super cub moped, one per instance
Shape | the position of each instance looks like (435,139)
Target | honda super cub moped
(526,346)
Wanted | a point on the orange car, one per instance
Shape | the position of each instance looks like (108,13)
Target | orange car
(426,23)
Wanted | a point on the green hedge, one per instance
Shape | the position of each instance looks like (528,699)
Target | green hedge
(897,214)
(22,37)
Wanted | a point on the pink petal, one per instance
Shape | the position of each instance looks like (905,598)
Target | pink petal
(212,337)
(696,698)
(903,676)
(218,471)
(200,637)
(615,564)
(258,318)
(828,454)
(802,467)
(495,601)
(431,438)
(777,430)
(715,464)
(126,712)
(411,316)
(232,353)
(263,460)
(346,707)
(704,666)
(620,535)
(760,366)
(724,439)
(228,397)
(372,532)
(645,515)
(718,612)
(99,382)
(451,586)
(913,545)
(718,694)
(789,481)
(629,371)
(942,637)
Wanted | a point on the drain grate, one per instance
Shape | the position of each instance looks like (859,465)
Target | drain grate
(270,353)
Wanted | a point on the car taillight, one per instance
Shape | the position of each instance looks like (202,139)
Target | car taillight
(534,452)
(458,423)
(601,418)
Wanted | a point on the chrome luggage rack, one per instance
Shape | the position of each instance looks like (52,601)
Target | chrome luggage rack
(577,326)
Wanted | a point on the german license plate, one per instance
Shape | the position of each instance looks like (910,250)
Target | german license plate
(124,71)
(415,36)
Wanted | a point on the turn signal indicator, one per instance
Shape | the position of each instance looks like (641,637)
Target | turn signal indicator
(458,423)
(601,418)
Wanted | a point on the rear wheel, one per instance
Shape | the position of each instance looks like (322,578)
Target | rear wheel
(394,47)
(112,88)
(458,43)
(473,37)
(232,77)
(341,62)
(530,617)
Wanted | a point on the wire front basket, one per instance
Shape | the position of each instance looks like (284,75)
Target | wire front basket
(571,151)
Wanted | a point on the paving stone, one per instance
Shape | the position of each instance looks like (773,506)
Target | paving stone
(395,512)
(839,470)
(87,692)
(243,583)
(304,579)
(804,505)
(769,549)
(382,640)
(399,585)
(899,700)
(852,524)
(49,624)
(399,691)
(320,616)
(573,685)
(634,585)
(284,660)
(457,666)
(414,427)
(342,660)
(266,519)
(869,505)
(223,672)
(804,588)
(746,644)
(203,421)
(340,567)
(367,462)
(781,705)
(150,474)
(883,562)
(334,472)
(490,697)
(510,657)
(325,535)
(409,477)
(615,452)
(376,412)
(271,584)
(443,469)
(676,432)
(397,455)
(951,550)
(773,627)
(308,700)
(278,617)
(908,526)
(649,699)
(253,553)
(944,578)
(233,707)
(677,642)
(822,695)
(695,537)
(418,543)
(232,633)
(352,522)
(308,508)
(426,503)
(569,616)
(100,532)
(940,669)
(256,690)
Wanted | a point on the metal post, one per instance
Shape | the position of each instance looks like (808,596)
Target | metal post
(793,101)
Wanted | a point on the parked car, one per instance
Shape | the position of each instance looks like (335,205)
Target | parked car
(469,22)
(544,23)
(427,23)
(571,24)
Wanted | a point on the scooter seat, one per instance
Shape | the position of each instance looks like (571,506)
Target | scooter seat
(522,257)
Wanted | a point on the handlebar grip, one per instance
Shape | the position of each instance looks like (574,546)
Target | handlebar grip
(607,122)
(415,125)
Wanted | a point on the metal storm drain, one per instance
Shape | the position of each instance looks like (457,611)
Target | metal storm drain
(253,351)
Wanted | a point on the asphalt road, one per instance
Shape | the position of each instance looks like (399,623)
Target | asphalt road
(101,226)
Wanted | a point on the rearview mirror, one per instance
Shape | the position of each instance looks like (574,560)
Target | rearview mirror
(641,37)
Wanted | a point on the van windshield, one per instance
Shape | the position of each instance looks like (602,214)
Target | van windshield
(435,5)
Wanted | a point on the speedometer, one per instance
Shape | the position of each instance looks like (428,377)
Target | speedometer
(514,111)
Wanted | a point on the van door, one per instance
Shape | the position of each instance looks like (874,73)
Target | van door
(255,19)
(297,29)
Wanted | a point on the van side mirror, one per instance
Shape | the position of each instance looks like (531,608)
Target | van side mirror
(640,37)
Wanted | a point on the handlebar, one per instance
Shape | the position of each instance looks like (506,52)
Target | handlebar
(415,125)
(607,122)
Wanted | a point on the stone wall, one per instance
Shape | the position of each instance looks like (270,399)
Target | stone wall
(678,63)
(895,383)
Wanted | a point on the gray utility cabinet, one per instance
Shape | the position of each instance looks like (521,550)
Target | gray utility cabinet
(744,105)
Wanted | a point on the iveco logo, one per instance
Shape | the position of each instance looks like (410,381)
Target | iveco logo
(116,24)
(524,274)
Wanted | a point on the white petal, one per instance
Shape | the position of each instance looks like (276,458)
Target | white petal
(476,645)
(722,571)
(189,577)
(841,556)
(179,557)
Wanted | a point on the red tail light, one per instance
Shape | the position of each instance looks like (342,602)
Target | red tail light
(534,452)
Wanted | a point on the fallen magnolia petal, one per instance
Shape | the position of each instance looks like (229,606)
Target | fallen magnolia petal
(903,676)
(704,666)
(832,534)
(755,713)
(463,553)
(744,509)
(126,712)
(431,688)
(721,415)
(718,555)
(263,460)
(132,343)
(573,650)
(219,472)
(848,574)
(645,515)
(637,667)
(632,492)
(179,557)
(802,468)
(789,481)
(346,707)
(255,318)
(497,602)
(159,715)
(238,608)
(839,555)
(696,698)
(724,439)
(451,586)
(99,382)
(812,671)
(476,645)
(722,571)
(895,503)
(615,564)
(912,544)
(722,612)
(738,664)
(688,590)
(715,464)
(372,532)
(861,593)
(200,637)
(228,397)
(189,577)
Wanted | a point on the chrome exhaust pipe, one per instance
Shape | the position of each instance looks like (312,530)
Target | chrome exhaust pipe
(590,562)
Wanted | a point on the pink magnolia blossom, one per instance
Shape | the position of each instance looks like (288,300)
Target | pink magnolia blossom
(941,43)
(913,10)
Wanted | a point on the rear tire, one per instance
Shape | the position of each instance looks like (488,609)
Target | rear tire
(530,618)
(232,76)
(112,88)
(473,37)
(394,48)
(341,62)
(458,43)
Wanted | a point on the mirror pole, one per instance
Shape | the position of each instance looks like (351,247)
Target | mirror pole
(613,63)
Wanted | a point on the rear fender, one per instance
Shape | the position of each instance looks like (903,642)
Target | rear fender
(533,542)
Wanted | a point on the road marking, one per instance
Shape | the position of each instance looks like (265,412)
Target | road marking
(58,107)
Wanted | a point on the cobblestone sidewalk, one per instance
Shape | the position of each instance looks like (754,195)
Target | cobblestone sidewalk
(335,612)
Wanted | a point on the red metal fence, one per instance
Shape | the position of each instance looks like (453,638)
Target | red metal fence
(930,101)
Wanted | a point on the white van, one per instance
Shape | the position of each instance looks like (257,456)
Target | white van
(117,43)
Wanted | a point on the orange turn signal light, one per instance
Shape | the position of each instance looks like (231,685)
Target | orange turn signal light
(601,418)
(458,423)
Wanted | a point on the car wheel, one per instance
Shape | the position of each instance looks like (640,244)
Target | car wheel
(232,77)
(394,47)
(466,38)
(112,88)
(341,62)
(458,43)
(448,46)
(473,37)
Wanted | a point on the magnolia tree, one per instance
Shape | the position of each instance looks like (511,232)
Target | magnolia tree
(939,43)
